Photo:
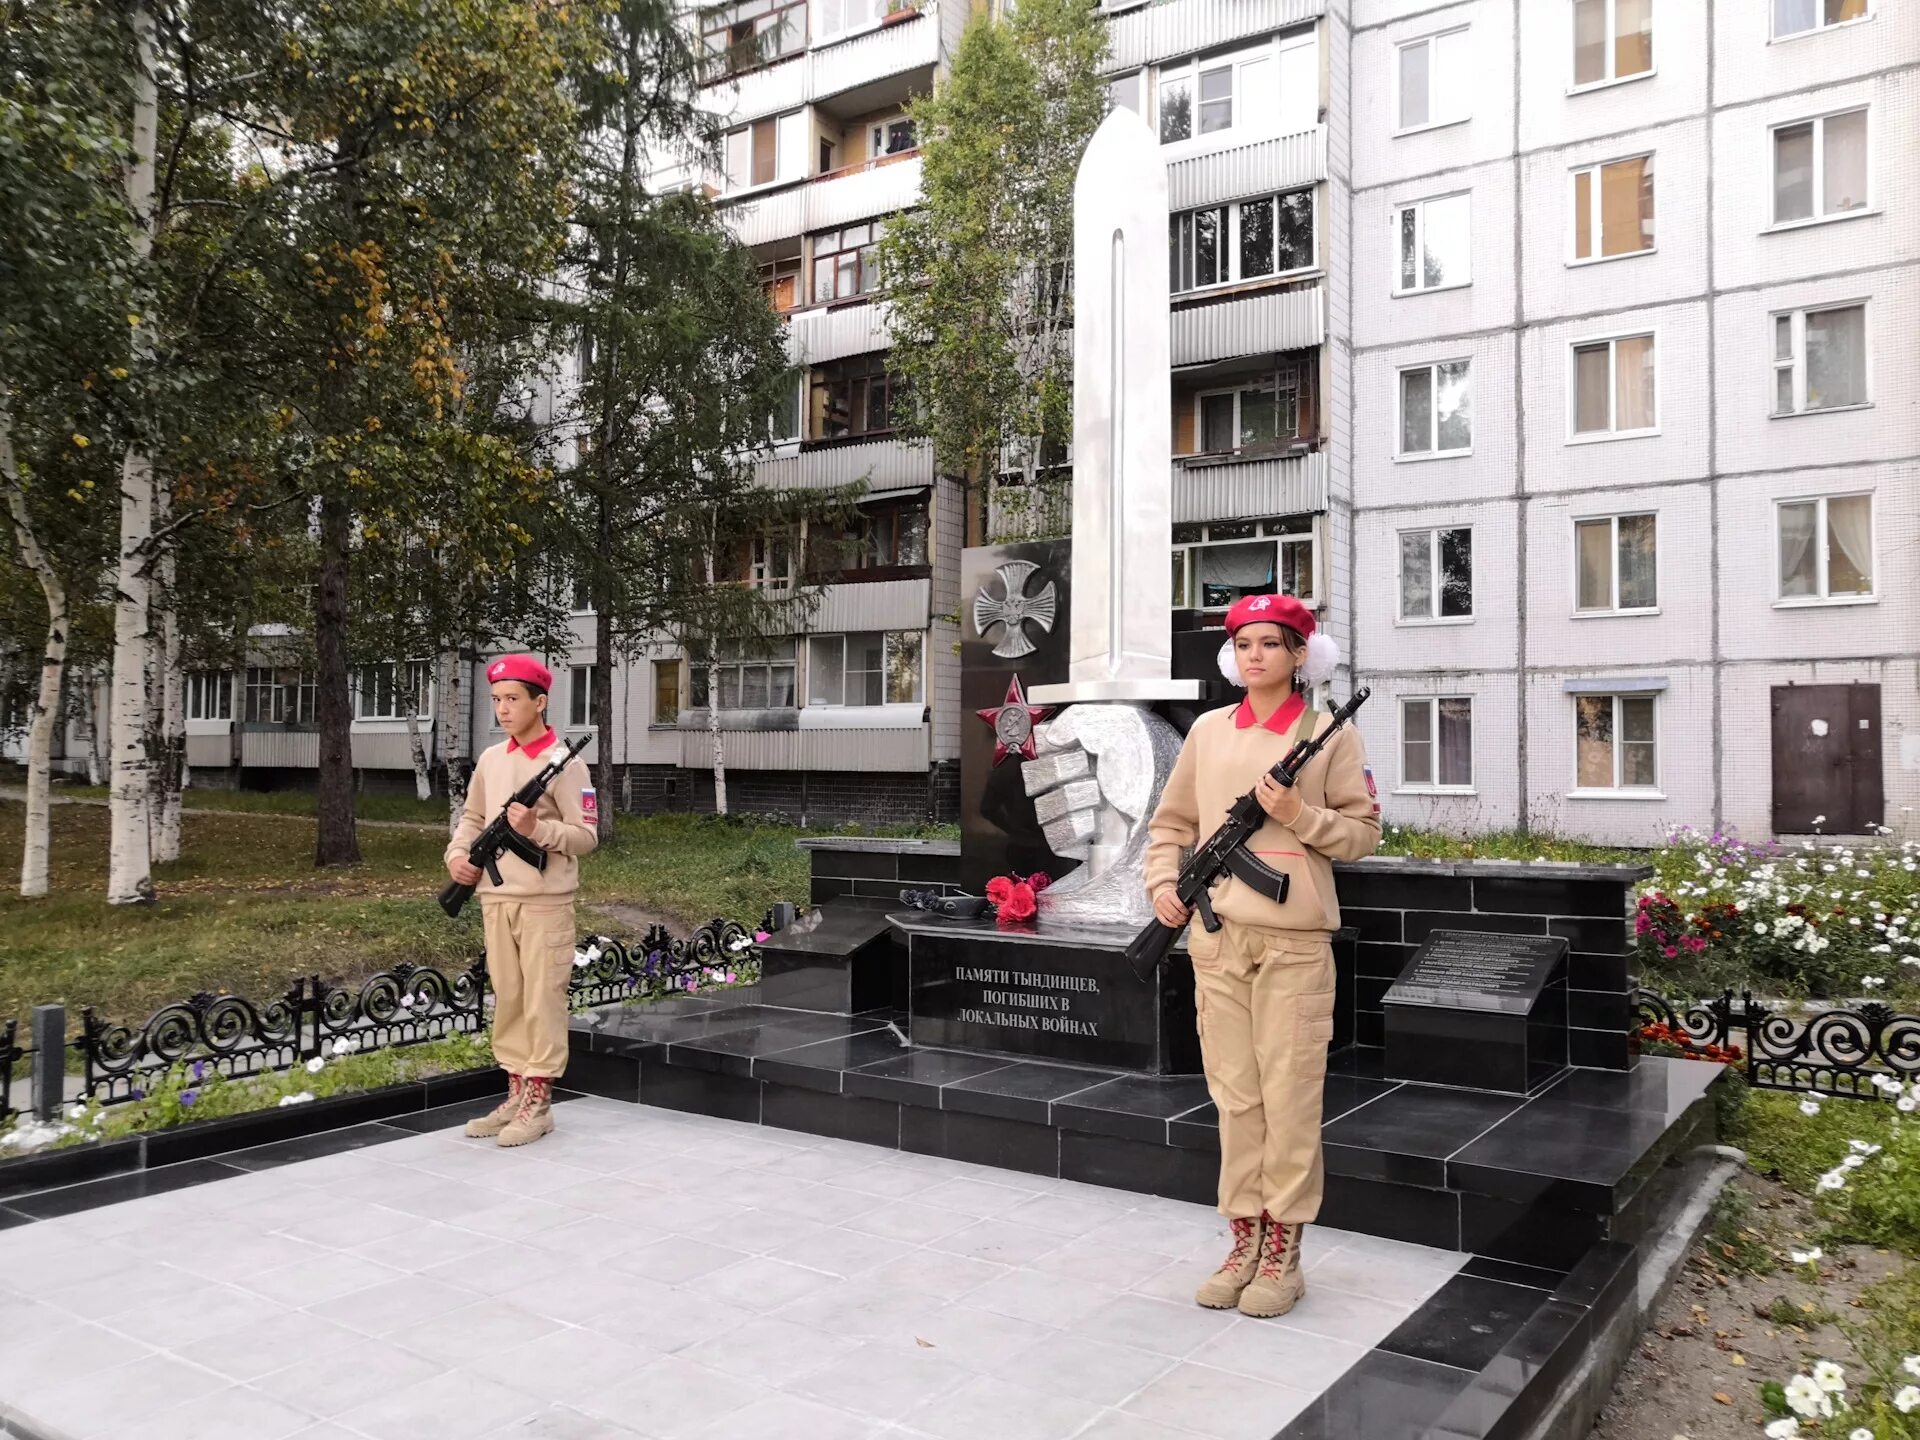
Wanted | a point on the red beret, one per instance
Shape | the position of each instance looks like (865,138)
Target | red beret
(1271,610)
(524,668)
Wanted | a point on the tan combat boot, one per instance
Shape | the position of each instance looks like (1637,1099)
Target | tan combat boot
(535,1116)
(1223,1287)
(498,1118)
(1279,1282)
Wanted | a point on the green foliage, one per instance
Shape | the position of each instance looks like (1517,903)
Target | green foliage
(1739,1236)
(1879,1204)
(979,275)
(1421,844)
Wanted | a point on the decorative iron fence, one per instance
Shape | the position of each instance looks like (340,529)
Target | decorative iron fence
(407,1005)
(1836,1052)
(10,1057)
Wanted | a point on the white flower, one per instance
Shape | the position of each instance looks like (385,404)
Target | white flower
(581,959)
(1805,1397)
(301,1099)
(1759,927)
(1819,819)
(1887,1084)
(1907,1399)
(1911,1365)
(1787,1429)
(1872,982)
(345,1045)
(1809,1107)
(1806,1257)
(1829,1376)
(1832,1180)
(316,1065)
(1861,1147)
(1854,1162)
(1861,1434)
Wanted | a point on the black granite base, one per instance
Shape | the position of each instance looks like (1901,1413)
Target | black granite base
(838,959)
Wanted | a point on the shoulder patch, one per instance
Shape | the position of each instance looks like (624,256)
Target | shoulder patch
(1373,790)
(589,804)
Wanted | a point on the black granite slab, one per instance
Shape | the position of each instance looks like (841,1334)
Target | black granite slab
(1134,1107)
(1384,1396)
(72,1199)
(1484,1010)
(733,1051)
(327,1142)
(1024,1091)
(839,958)
(823,1064)
(1407,1135)
(1465,1322)
(981,1140)
(917,1077)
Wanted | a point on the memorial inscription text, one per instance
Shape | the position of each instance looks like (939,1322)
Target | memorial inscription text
(1026,1000)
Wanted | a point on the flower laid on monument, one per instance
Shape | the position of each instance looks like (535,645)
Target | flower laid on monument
(1014,898)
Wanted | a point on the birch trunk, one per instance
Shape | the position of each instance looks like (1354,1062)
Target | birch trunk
(46,706)
(455,749)
(96,733)
(416,747)
(173,725)
(602,716)
(713,708)
(129,858)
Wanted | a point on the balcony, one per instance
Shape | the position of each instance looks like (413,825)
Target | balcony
(1182,27)
(831,68)
(1216,489)
(855,747)
(1257,324)
(1260,168)
(871,605)
(885,465)
(866,192)
(832,333)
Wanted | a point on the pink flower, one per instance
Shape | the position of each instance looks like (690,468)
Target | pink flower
(1671,952)
(998,890)
(759,937)
(1039,881)
(1019,904)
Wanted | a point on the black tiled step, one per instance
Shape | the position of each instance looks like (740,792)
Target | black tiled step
(1025,1091)
(1132,1107)
(1383,1397)
(916,1077)
(1465,1322)
(1407,1134)
(72,1199)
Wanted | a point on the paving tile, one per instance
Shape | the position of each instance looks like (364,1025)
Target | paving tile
(673,1397)
(1161,1326)
(487,1327)
(247,1352)
(1218,1403)
(1268,1351)
(1044,1299)
(882,1380)
(397,1305)
(979,1339)
(1000,1242)
(1118,1425)
(355,1377)
(102,1404)
(791,1418)
(1091,1370)
(675,1260)
(455,1405)
(560,1422)
(66,1350)
(987,1405)
(909,1222)
(235,1414)
(935,1272)
(776,1352)
(763,1284)
(845,1253)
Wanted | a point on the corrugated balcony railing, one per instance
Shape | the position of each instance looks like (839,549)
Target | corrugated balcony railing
(1170,28)
(1244,489)
(1253,325)
(871,605)
(883,464)
(1283,163)
(849,749)
(829,69)
(817,336)
(843,198)
(300,749)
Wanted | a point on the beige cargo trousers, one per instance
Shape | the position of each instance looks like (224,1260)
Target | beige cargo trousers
(1264,1001)
(530,961)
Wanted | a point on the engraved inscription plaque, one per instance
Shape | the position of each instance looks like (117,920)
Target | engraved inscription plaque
(1478,971)
(1478,1009)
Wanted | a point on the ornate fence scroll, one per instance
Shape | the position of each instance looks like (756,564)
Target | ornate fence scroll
(1836,1052)
(607,971)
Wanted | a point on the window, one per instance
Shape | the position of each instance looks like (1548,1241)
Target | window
(896,535)
(843,263)
(766,151)
(1436,409)
(784,424)
(1125,92)
(893,136)
(769,562)
(780,279)
(1615,564)
(1242,419)
(580,596)
(666,691)
(1436,238)
(1245,241)
(755,32)
(1613,208)
(853,398)
(1613,386)
(1239,93)
(377,692)
(580,695)
(1215,565)
(1820,167)
(1435,81)
(1800,17)
(1612,40)
(1614,742)
(838,17)
(1826,547)
(1436,574)
(753,676)
(1436,743)
(871,669)
(1819,359)
(209,695)
(279,696)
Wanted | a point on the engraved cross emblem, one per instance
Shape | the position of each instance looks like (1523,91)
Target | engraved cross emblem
(1012,608)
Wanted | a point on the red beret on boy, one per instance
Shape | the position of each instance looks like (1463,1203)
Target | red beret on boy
(524,668)
(1270,610)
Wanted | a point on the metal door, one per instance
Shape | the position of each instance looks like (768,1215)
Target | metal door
(1826,759)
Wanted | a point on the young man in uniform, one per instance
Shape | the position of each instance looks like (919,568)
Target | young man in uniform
(1264,983)
(528,917)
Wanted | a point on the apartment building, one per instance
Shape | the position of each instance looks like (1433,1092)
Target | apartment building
(1556,350)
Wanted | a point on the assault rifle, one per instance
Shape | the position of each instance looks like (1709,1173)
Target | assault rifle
(501,838)
(1225,853)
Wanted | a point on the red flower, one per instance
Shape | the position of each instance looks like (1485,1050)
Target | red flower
(1039,881)
(1019,903)
(998,889)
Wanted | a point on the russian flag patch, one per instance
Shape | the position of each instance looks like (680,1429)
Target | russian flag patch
(1373,791)
(589,804)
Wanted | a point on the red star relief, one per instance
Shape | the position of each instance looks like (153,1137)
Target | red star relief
(1013,721)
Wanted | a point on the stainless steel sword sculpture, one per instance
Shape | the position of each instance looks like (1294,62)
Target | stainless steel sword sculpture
(1102,763)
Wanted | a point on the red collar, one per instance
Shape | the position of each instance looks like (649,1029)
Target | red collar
(533,750)
(1279,722)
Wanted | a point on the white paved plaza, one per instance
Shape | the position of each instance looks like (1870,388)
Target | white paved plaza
(643,1273)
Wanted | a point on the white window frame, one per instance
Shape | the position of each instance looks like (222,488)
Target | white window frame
(1308,534)
(1433,420)
(1598,437)
(877,129)
(203,685)
(679,689)
(1137,79)
(760,571)
(1594,217)
(1617,790)
(889,640)
(789,129)
(1575,85)
(1190,70)
(580,697)
(1819,186)
(704,673)
(1433,615)
(424,670)
(1820,25)
(1434,786)
(819,35)
(1230,240)
(1419,207)
(1796,363)
(1613,607)
(1824,599)
(1398,101)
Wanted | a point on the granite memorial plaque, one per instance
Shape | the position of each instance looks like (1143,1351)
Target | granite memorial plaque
(1488,1011)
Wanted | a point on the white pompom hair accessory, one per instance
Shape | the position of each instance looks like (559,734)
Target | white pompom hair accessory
(1323,652)
(1323,658)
